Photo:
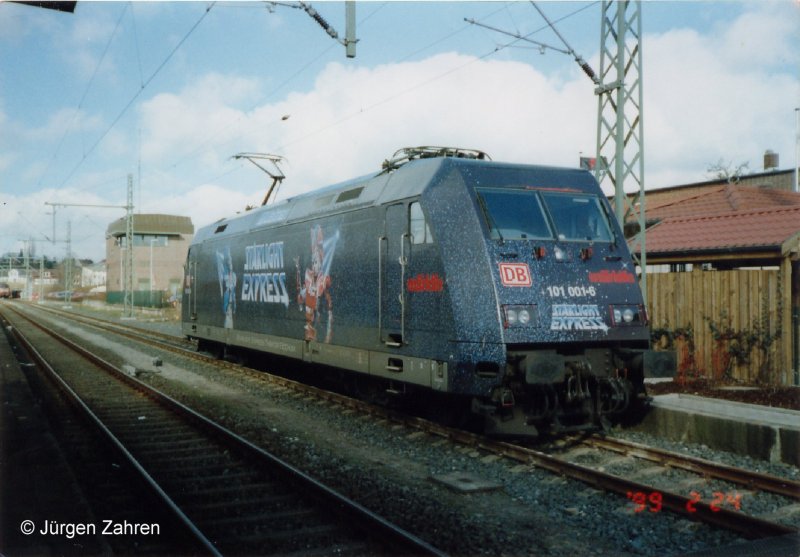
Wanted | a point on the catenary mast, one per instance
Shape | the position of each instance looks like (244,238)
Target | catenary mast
(620,154)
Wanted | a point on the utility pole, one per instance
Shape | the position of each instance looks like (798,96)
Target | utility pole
(41,279)
(350,28)
(53,213)
(127,311)
(68,267)
(796,149)
(620,129)
(128,297)
(349,40)
(26,263)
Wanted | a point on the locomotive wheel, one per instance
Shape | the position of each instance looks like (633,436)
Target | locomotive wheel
(370,390)
(215,349)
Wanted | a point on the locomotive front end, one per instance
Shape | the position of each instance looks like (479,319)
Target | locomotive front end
(569,312)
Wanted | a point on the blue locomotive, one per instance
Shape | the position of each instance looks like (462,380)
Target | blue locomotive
(504,288)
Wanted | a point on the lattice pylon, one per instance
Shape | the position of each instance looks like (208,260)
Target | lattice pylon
(620,147)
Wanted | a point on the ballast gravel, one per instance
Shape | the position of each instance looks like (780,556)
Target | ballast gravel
(390,469)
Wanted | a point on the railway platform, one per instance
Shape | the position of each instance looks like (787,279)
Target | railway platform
(38,484)
(762,432)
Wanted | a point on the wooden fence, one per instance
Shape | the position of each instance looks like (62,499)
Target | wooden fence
(722,323)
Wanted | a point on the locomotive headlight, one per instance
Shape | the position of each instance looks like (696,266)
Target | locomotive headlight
(511,316)
(519,315)
(628,315)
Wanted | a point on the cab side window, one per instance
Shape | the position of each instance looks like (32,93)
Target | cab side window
(418,226)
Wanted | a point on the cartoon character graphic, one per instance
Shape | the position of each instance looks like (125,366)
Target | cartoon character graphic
(227,285)
(316,285)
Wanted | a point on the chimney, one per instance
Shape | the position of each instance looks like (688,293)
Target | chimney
(770,159)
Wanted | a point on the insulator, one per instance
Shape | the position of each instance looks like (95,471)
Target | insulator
(587,69)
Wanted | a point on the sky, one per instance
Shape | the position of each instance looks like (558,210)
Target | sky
(169,92)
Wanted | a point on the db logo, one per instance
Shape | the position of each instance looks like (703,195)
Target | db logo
(515,274)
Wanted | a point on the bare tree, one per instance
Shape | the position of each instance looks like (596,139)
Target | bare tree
(722,170)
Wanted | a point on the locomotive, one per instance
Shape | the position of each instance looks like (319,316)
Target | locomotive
(506,289)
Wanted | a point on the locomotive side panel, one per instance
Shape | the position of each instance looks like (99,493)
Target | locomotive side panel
(309,290)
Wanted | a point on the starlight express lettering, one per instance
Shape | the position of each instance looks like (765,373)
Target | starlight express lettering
(577,317)
(269,287)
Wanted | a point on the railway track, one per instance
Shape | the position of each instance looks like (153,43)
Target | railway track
(710,511)
(232,496)
(705,468)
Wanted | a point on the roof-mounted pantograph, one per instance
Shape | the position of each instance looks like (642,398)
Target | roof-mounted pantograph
(407,154)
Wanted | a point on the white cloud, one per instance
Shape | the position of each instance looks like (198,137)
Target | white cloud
(76,121)
(765,37)
(700,105)
(24,217)
(205,203)
(724,92)
(706,98)
(176,125)
(356,117)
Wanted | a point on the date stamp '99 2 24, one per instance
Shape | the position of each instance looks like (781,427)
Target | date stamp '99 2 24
(654,500)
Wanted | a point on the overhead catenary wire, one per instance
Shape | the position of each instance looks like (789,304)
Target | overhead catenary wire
(366,109)
(587,69)
(83,97)
(426,82)
(136,95)
(186,158)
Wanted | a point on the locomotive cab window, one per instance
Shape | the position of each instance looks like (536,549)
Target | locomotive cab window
(418,226)
(513,214)
(577,217)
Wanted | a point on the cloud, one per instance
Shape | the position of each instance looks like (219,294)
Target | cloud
(355,117)
(722,92)
(208,203)
(176,125)
(26,213)
(765,37)
(706,98)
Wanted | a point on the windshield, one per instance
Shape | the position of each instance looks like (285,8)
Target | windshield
(514,214)
(519,214)
(577,217)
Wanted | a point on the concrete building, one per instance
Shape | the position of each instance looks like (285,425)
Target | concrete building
(160,244)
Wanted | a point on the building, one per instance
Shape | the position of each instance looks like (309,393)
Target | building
(740,240)
(160,245)
(93,275)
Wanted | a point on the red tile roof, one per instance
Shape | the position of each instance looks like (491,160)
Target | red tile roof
(721,199)
(721,218)
(769,227)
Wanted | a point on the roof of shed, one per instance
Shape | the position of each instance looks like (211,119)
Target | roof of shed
(153,224)
(717,200)
(721,218)
(759,228)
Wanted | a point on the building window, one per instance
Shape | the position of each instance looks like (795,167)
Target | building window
(144,240)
